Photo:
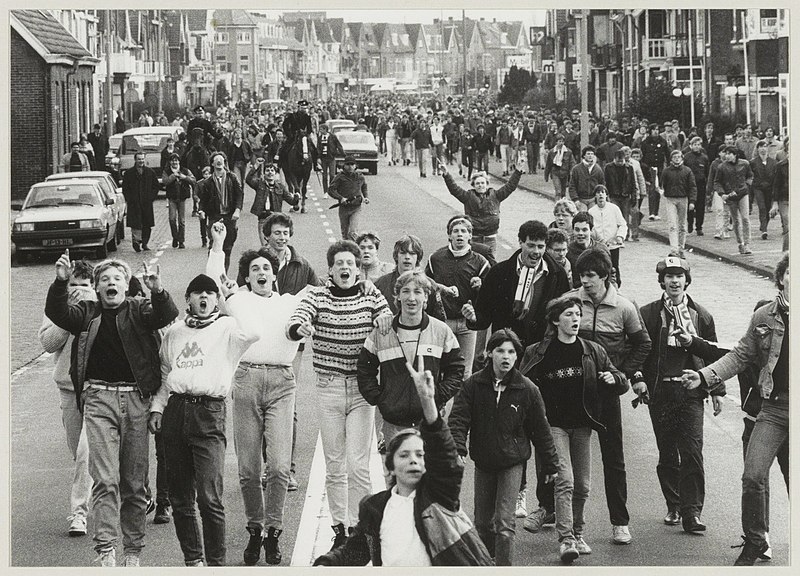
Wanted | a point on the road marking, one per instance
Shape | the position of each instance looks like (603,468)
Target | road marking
(314,534)
(30,364)
(159,254)
(153,260)
(323,216)
(319,209)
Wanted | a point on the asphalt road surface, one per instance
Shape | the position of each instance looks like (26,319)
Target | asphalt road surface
(401,202)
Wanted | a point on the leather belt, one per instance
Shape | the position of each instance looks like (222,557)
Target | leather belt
(673,379)
(191,399)
(261,366)
(111,387)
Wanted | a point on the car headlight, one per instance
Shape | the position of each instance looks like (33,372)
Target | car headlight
(23,227)
(94,223)
(115,160)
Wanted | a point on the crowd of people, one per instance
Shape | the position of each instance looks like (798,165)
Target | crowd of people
(463,356)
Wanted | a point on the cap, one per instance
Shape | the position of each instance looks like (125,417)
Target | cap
(302,102)
(199,108)
(201,283)
(653,126)
(349,159)
(673,264)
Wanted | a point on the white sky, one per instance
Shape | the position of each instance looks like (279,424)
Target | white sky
(528,17)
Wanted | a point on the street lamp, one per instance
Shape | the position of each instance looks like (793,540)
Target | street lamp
(733,92)
(680,93)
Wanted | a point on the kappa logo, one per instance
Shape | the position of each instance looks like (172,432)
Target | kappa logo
(190,354)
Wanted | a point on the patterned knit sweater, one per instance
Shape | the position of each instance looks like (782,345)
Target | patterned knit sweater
(342,320)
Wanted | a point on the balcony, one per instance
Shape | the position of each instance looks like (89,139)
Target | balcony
(664,48)
(607,56)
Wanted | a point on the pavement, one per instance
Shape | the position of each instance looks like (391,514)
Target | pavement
(766,253)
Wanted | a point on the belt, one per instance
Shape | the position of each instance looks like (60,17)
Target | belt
(262,366)
(673,379)
(113,387)
(191,399)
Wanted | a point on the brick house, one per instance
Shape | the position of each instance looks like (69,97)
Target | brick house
(51,96)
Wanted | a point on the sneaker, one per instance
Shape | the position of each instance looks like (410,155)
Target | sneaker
(131,561)
(537,519)
(253,550)
(272,550)
(750,552)
(764,236)
(522,505)
(107,558)
(746,249)
(204,243)
(163,514)
(339,535)
(725,235)
(582,546)
(620,535)
(264,479)
(656,217)
(568,551)
(151,506)
(717,237)
(195,563)
(767,554)
(651,217)
(77,525)
(292,485)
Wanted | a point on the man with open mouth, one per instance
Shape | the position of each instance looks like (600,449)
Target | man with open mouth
(198,357)
(339,317)
(114,372)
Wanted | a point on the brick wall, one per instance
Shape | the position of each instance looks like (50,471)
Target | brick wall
(30,133)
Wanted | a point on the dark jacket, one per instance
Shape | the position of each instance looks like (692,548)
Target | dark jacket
(178,190)
(395,394)
(583,180)
(620,180)
(100,146)
(484,210)
(733,178)
(563,171)
(482,143)
(500,433)
(654,317)
(328,146)
(350,187)
(763,174)
(679,182)
(441,484)
(137,320)
(495,302)
(780,186)
(247,151)
(209,196)
(593,360)
(422,138)
(699,165)
(574,250)
(266,194)
(140,191)
(655,151)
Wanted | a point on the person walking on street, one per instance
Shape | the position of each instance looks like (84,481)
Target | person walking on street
(328,148)
(179,184)
(764,170)
(655,153)
(239,155)
(58,342)
(566,367)
(584,178)
(270,194)
(765,344)
(610,227)
(482,204)
(780,195)
(99,143)
(483,144)
(677,415)
(423,143)
(503,413)
(75,160)
(350,189)
(680,195)
(558,167)
(220,200)
(697,161)
(198,358)
(732,183)
(114,372)
(140,188)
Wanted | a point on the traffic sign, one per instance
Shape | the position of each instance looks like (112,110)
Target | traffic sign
(131,95)
(435,91)
(538,35)
(548,67)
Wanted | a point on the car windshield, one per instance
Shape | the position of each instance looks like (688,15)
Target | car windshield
(143,143)
(356,138)
(114,142)
(73,194)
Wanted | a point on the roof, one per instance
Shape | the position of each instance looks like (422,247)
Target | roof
(49,38)
(337,28)
(434,32)
(197,19)
(152,130)
(413,31)
(227,18)
(513,30)
(173,29)
(323,31)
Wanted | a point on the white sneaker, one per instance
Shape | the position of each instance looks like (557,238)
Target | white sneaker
(620,535)
(567,551)
(77,525)
(522,505)
(131,561)
(767,555)
(656,217)
(107,558)
(582,546)
(195,563)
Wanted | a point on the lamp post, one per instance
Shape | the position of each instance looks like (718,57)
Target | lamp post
(733,92)
(681,93)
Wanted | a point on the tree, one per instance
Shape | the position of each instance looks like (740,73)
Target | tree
(517,83)
(656,103)
(222,92)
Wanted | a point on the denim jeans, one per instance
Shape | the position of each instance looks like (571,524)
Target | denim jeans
(263,410)
(783,210)
(678,426)
(116,430)
(466,341)
(677,218)
(783,463)
(422,159)
(740,214)
(722,211)
(194,439)
(348,222)
(764,203)
(574,450)
(482,161)
(328,172)
(346,423)
(611,449)
(393,149)
(436,154)
(177,220)
(495,503)
(769,433)
(162,485)
(405,149)
(653,201)
(697,216)
(560,185)
(78,445)
(532,149)
(505,160)
(545,493)
(489,241)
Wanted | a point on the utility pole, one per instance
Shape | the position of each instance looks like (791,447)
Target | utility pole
(108,92)
(160,57)
(691,69)
(583,50)
(466,43)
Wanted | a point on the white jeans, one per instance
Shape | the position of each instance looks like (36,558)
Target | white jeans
(677,210)
(346,423)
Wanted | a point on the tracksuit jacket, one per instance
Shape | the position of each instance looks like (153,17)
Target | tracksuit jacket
(394,393)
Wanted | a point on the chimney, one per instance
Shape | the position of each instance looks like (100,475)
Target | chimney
(450,18)
(494,20)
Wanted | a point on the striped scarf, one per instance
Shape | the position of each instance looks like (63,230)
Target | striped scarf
(679,314)
(783,303)
(193,321)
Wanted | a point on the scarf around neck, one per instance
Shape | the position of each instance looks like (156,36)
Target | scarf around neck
(679,313)
(193,321)
(783,303)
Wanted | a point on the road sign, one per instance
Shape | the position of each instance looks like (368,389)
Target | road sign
(435,91)
(131,95)
(538,35)
(548,67)
(576,71)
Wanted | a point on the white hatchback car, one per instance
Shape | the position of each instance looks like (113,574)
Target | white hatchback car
(151,140)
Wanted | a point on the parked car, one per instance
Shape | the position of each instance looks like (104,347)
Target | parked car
(69,213)
(110,190)
(151,140)
(112,156)
(339,124)
(271,103)
(360,145)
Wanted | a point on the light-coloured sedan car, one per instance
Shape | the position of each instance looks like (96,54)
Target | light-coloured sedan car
(340,124)
(151,140)
(110,190)
(69,213)
(360,145)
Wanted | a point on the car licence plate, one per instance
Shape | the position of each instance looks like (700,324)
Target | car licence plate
(57,242)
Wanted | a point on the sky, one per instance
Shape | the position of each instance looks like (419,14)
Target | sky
(528,17)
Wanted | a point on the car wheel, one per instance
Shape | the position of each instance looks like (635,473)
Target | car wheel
(20,257)
(102,250)
(120,231)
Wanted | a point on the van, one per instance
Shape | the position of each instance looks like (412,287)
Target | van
(271,103)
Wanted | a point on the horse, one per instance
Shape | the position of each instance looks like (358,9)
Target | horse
(300,158)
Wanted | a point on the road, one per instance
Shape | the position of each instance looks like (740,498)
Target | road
(400,202)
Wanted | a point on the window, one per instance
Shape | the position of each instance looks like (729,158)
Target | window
(221,58)
(221,37)
(243,37)
(769,20)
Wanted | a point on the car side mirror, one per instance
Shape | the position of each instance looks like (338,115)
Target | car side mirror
(109,202)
